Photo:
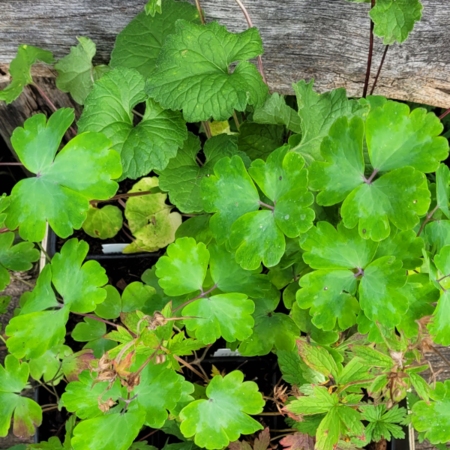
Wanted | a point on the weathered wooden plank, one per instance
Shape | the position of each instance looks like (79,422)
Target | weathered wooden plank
(324,39)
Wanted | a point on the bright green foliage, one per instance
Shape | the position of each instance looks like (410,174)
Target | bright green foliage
(183,270)
(183,175)
(116,431)
(318,359)
(373,203)
(83,397)
(108,110)
(139,43)
(27,413)
(38,328)
(4,203)
(295,371)
(442,189)
(76,74)
(259,141)
(160,390)
(150,219)
(48,366)
(65,182)
(228,174)
(318,112)
(223,417)
(103,223)
(395,19)
(152,7)
(14,257)
(384,423)
(199,56)
(434,418)
(272,330)
(227,315)
(4,302)
(88,330)
(20,70)
(339,419)
(437,234)
(276,112)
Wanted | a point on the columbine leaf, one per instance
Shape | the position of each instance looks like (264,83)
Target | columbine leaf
(88,330)
(182,177)
(160,390)
(434,418)
(35,330)
(440,326)
(139,43)
(318,112)
(259,141)
(108,110)
(330,295)
(230,193)
(394,20)
(83,397)
(48,366)
(103,223)
(271,330)
(328,248)
(196,227)
(275,111)
(226,315)
(437,234)
(442,189)
(20,70)
(231,277)
(224,416)
(149,217)
(379,293)
(17,257)
(75,363)
(76,74)
(116,431)
(412,140)
(64,184)
(27,413)
(183,270)
(200,56)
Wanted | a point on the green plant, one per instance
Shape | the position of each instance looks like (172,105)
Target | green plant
(338,207)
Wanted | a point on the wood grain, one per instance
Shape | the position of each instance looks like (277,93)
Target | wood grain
(322,39)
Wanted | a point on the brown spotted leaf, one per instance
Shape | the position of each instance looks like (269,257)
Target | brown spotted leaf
(298,441)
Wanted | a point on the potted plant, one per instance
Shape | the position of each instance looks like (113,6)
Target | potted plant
(307,237)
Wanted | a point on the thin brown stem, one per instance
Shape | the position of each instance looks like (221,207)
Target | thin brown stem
(147,361)
(184,363)
(11,164)
(429,216)
(379,69)
(250,25)
(200,12)
(269,414)
(207,129)
(236,121)
(444,114)
(203,294)
(119,196)
(369,59)
(148,435)
(96,318)
(50,409)
(266,205)
(50,103)
(442,356)
(22,281)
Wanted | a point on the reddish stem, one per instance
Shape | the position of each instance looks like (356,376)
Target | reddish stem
(203,294)
(50,103)
(96,318)
(369,59)
(250,25)
(266,205)
(445,113)
(11,164)
(119,196)
(379,69)
(429,216)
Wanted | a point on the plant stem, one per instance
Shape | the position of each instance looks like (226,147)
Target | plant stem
(147,361)
(236,121)
(379,69)
(250,25)
(23,281)
(44,252)
(207,129)
(148,435)
(138,113)
(200,12)
(203,294)
(50,409)
(429,216)
(266,205)
(372,176)
(445,113)
(182,361)
(96,318)
(50,103)
(269,414)
(119,196)
(11,164)
(369,59)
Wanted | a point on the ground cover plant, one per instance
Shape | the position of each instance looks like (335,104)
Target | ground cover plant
(314,228)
